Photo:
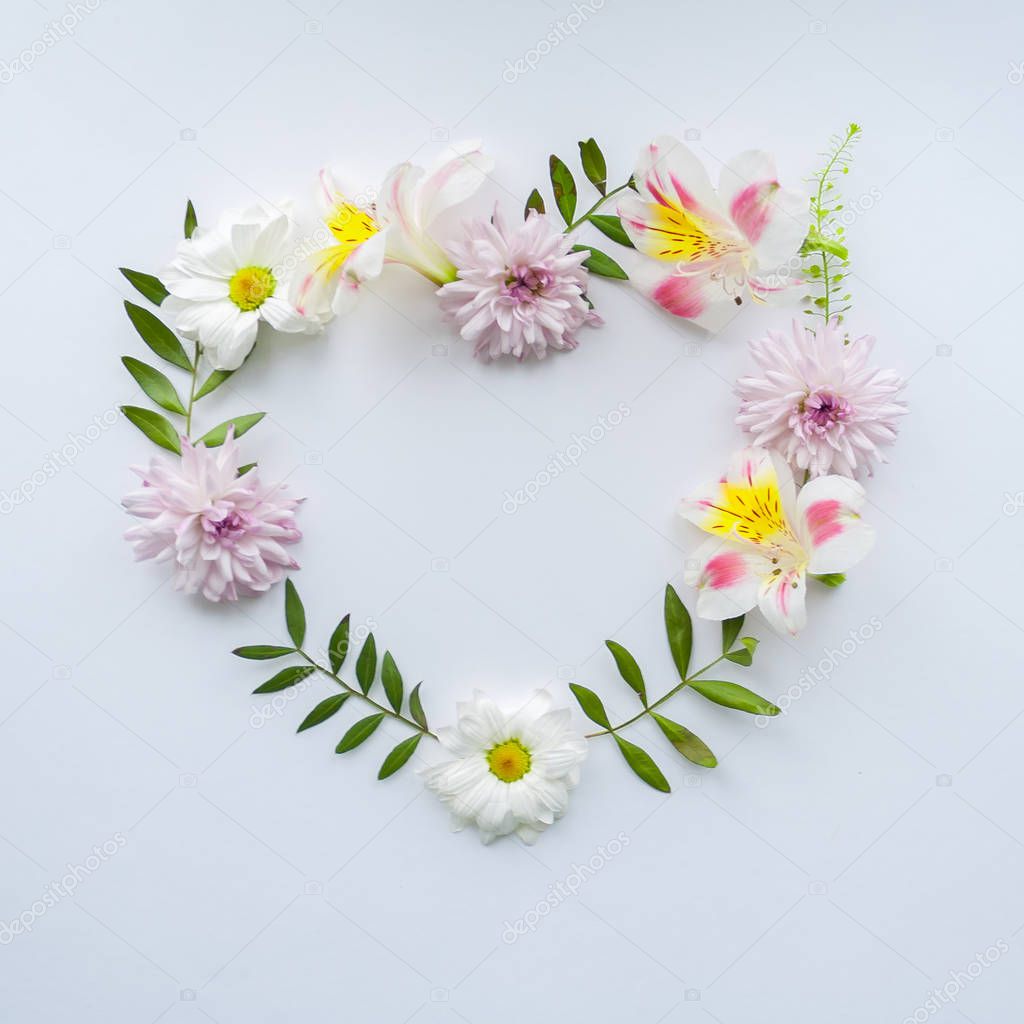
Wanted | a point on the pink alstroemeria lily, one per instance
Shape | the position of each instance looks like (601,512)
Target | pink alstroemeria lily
(766,538)
(392,229)
(712,249)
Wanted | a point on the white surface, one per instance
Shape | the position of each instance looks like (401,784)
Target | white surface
(823,872)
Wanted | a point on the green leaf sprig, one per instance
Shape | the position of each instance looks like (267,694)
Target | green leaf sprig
(156,385)
(679,630)
(366,675)
(827,257)
(566,194)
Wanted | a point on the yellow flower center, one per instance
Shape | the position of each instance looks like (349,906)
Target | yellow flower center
(351,226)
(251,287)
(509,761)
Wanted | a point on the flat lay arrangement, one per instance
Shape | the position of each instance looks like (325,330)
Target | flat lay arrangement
(784,518)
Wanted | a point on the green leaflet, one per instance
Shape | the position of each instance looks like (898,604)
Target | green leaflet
(154,384)
(601,263)
(262,652)
(366,664)
(392,680)
(399,756)
(285,678)
(628,669)
(146,285)
(191,221)
(157,428)
(564,186)
(732,695)
(324,710)
(294,613)
(743,655)
(730,630)
(216,437)
(679,628)
(416,707)
(359,733)
(612,227)
(591,705)
(158,336)
(643,765)
(337,650)
(689,744)
(213,382)
(594,165)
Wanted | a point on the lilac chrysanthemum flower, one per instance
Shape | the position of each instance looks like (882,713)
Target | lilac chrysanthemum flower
(225,533)
(520,290)
(819,404)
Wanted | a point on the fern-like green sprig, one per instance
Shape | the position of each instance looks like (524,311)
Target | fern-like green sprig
(827,258)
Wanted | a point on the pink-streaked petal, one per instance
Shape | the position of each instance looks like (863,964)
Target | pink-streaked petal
(668,173)
(773,219)
(828,511)
(746,185)
(782,601)
(727,577)
(691,295)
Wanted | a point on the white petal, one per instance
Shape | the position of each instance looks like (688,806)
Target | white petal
(459,174)
(828,511)
(283,316)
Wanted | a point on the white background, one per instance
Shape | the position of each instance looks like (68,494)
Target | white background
(837,865)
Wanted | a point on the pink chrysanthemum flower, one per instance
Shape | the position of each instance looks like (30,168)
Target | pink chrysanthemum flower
(819,404)
(225,533)
(520,290)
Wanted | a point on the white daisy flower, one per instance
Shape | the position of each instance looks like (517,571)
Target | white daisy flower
(512,772)
(225,280)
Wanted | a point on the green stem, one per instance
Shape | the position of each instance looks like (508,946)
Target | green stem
(823,179)
(828,284)
(597,206)
(661,700)
(192,394)
(369,700)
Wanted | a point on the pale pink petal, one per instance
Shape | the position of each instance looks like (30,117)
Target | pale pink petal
(773,219)
(727,576)
(828,510)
